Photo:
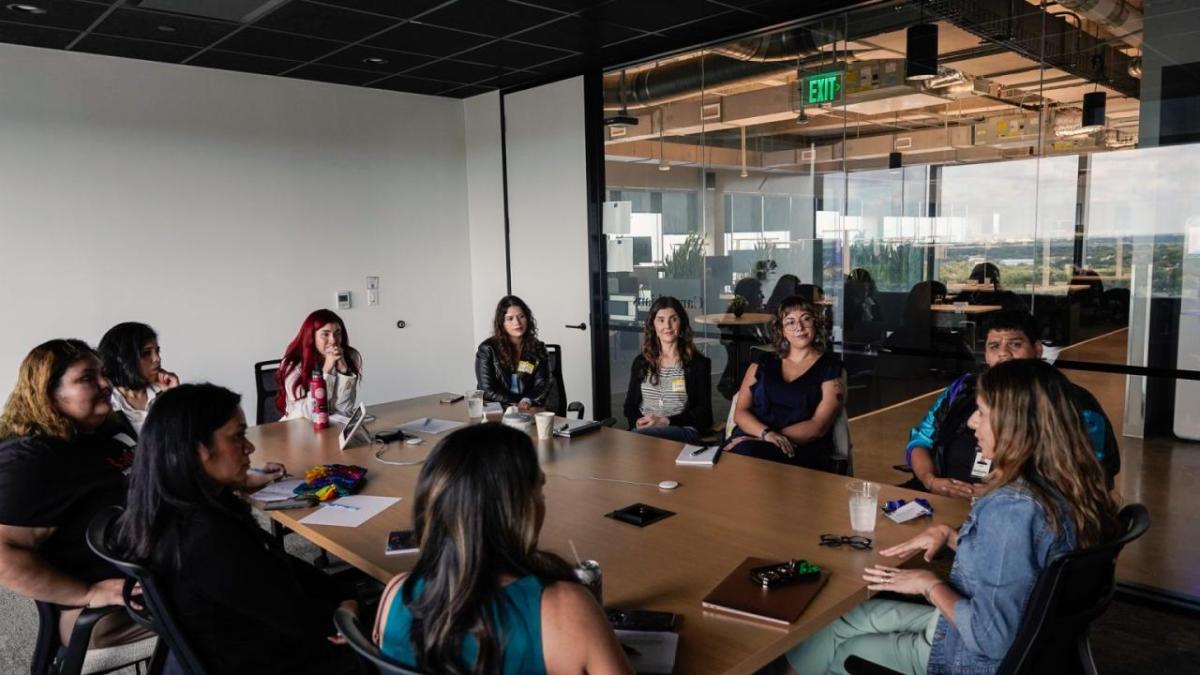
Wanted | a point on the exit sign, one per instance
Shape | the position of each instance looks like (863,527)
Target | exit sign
(823,88)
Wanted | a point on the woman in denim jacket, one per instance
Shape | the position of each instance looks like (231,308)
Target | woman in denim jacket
(1046,495)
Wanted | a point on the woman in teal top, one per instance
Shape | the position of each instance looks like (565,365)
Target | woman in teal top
(482,598)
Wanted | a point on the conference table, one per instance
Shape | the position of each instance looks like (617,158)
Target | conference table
(740,507)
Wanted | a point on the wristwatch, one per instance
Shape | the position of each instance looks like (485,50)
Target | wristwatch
(765,431)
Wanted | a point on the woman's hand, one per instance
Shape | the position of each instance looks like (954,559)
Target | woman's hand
(950,487)
(167,379)
(930,541)
(652,421)
(333,359)
(352,605)
(782,442)
(269,473)
(896,580)
(105,593)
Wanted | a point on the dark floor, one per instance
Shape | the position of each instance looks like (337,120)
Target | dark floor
(1132,638)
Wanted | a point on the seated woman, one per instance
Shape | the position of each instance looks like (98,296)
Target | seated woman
(789,400)
(244,605)
(59,465)
(133,365)
(482,597)
(512,367)
(670,384)
(1045,496)
(322,345)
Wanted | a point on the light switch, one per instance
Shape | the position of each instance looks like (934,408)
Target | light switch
(372,291)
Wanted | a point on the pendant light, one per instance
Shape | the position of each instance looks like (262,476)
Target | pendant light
(1094,105)
(744,173)
(662,155)
(921,55)
(623,118)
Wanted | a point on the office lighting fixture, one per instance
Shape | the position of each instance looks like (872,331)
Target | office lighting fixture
(22,8)
(662,153)
(921,55)
(623,118)
(895,160)
(1094,104)
(744,173)
(375,61)
(802,118)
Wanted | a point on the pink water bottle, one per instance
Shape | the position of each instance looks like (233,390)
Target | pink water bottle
(320,409)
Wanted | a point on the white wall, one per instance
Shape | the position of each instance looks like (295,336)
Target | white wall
(221,208)
(485,206)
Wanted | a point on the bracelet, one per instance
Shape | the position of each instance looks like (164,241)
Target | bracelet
(929,591)
(765,431)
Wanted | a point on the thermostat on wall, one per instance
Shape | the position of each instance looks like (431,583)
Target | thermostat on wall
(343,299)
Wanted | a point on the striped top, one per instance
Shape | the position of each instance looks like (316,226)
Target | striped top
(669,396)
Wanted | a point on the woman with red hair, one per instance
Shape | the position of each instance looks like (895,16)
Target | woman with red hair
(321,345)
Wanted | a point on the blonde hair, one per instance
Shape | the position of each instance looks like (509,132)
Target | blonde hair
(1039,436)
(30,408)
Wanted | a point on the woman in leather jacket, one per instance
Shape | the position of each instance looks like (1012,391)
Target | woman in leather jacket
(512,367)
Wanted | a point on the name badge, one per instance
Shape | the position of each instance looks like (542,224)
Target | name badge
(678,386)
(982,466)
(525,367)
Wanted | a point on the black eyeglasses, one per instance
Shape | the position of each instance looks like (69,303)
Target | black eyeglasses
(855,542)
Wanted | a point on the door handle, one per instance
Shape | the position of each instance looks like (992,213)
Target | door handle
(578,326)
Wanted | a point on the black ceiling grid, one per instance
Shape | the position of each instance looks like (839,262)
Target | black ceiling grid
(454,48)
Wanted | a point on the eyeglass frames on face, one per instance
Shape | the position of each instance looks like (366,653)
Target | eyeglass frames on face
(855,542)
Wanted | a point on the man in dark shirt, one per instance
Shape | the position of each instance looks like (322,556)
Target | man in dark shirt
(941,448)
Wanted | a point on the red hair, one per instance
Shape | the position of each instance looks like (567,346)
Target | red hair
(301,353)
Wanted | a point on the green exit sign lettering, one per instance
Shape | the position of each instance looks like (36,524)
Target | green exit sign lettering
(823,88)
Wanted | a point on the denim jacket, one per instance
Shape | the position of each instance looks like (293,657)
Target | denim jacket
(1003,547)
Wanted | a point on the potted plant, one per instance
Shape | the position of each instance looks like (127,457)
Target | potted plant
(738,306)
(762,268)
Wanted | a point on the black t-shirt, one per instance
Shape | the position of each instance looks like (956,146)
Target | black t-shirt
(49,482)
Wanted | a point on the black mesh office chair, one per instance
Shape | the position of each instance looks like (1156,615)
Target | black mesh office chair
(52,657)
(149,610)
(346,624)
(559,396)
(1072,592)
(266,389)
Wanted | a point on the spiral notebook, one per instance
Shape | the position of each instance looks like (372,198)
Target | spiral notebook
(782,605)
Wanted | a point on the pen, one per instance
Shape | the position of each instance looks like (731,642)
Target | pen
(334,505)
(426,422)
(700,451)
(565,427)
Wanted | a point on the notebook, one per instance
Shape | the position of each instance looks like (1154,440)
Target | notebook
(567,427)
(698,455)
(782,605)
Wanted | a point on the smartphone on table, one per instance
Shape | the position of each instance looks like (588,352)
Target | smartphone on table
(401,541)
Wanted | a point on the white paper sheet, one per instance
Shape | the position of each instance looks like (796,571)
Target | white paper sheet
(430,425)
(650,652)
(278,491)
(349,511)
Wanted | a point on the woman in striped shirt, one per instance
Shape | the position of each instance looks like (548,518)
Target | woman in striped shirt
(670,383)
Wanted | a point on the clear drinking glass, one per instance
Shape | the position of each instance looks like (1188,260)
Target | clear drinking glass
(474,403)
(864,503)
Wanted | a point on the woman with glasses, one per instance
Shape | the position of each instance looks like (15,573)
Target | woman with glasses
(789,400)
(1045,496)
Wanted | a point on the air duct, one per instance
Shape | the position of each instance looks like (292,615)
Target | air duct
(1125,21)
(784,46)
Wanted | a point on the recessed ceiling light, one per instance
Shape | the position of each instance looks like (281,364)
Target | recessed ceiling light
(167,29)
(375,60)
(23,8)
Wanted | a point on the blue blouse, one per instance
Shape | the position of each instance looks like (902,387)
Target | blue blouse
(518,620)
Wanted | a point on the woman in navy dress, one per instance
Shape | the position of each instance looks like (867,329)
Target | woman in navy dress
(789,401)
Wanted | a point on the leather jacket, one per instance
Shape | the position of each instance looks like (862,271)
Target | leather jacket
(534,381)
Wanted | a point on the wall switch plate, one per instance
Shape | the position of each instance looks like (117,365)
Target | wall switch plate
(372,283)
(372,291)
(343,299)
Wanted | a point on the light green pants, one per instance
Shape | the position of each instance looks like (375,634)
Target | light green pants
(888,632)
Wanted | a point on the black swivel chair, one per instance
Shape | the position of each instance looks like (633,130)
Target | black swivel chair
(266,389)
(1072,592)
(346,624)
(150,609)
(561,407)
(52,657)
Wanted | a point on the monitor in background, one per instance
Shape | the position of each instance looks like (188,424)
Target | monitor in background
(643,251)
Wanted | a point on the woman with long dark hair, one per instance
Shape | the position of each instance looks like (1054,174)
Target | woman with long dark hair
(670,383)
(244,604)
(512,367)
(1045,495)
(133,364)
(321,345)
(789,400)
(482,598)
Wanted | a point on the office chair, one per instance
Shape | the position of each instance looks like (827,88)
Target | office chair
(1075,589)
(52,657)
(150,610)
(347,624)
(561,407)
(266,388)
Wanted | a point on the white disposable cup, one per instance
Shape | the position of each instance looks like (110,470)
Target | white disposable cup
(864,503)
(545,423)
(474,403)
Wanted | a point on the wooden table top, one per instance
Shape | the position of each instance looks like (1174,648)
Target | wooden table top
(740,507)
(728,319)
(966,309)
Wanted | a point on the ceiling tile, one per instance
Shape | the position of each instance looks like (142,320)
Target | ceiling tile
(512,54)
(422,39)
(323,21)
(401,9)
(654,15)
(35,36)
(133,49)
(335,75)
(725,22)
(414,84)
(490,17)
(215,58)
(59,14)
(467,90)
(163,27)
(565,5)
(279,45)
(577,33)
(355,55)
(456,71)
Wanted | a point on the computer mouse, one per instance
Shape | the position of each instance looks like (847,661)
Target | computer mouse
(412,440)
(668,485)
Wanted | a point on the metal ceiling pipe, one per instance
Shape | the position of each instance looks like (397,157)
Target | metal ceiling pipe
(1115,14)
(785,46)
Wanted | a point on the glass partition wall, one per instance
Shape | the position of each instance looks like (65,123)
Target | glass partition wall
(1023,170)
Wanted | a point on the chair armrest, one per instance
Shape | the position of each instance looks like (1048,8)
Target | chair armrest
(81,635)
(576,407)
(859,666)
